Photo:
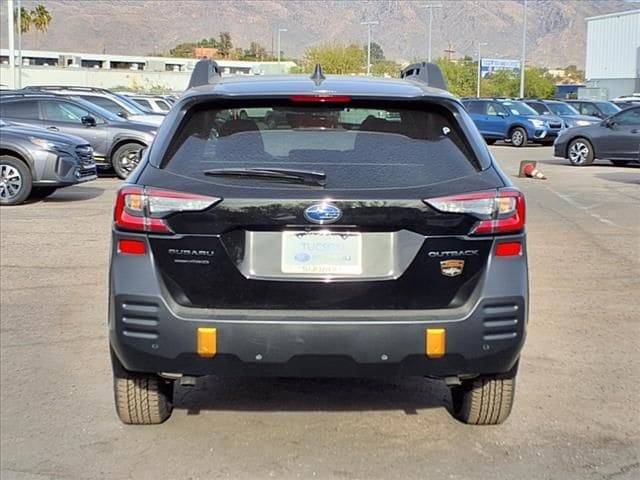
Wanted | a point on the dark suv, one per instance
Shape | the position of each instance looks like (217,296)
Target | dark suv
(116,142)
(594,108)
(372,234)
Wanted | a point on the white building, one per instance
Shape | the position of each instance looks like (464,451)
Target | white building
(41,67)
(613,55)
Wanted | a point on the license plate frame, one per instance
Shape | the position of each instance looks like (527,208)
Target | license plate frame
(321,253)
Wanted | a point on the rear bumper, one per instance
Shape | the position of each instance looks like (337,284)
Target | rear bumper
(147,336)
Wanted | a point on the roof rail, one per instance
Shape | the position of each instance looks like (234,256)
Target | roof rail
(205,72)
(428,73)
(76,88)
(22,93)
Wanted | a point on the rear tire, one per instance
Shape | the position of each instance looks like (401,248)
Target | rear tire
(15,180)
(42,192)
(126,158)
(580,152)
(620,163)
(518,137)
(141,398)
(485,400)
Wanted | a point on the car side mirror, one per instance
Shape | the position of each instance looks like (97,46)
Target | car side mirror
(88,121)
(122,114)
(608,123)
(502,114)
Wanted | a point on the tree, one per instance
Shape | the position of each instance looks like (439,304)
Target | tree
(40,18)
(23,20)
(225,45)
(255,52)
(335,58)
(385,68)
(377,53)
(461,76)
(183,50)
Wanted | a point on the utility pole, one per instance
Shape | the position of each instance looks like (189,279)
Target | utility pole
(12,50)
(19,9)
(449,51)
(369,25)
(480,44)
(431,7)
(524,50)
(280,30)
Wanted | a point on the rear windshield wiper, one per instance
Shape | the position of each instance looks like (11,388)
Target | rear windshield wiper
(306,177)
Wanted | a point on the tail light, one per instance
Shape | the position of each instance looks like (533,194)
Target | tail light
(497,211)
(145,209)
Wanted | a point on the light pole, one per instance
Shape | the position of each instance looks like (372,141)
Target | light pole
(480,44)
(12,50)
(369,25)
(524,50)
(280,30)
(431,7)
(19,10)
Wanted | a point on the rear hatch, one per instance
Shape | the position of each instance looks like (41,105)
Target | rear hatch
(336,205)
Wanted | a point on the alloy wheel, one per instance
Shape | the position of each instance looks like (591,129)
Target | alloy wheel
(517,138)
(578,153)
(129,160)
(10,182)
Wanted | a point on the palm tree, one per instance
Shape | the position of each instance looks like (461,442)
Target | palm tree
(23,21)
(40,18)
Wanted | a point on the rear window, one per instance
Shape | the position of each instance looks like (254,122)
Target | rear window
(357,145)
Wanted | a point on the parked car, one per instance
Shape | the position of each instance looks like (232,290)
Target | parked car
(35,162)
(616,139)
(568,114)
(627,101)
(115,141)
(151,103)
(512,120)
(594,108)
(117,104)
(396,247)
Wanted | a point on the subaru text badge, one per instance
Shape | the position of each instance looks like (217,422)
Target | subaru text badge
(323,213)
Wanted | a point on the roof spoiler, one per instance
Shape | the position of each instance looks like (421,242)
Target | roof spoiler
(428,73)
(205,72)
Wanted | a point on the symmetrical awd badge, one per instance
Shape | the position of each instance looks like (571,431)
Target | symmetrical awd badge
(451,268)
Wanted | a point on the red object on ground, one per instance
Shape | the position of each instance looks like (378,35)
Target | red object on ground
(531,171)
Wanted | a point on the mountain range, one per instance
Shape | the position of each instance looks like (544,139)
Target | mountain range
(556,29)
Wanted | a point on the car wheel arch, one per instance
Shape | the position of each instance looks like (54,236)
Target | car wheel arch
(19,155)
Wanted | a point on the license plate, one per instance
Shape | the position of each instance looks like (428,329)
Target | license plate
(322,253)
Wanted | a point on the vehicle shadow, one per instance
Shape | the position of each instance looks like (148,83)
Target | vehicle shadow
(70,194)
(267,394)
(622,177)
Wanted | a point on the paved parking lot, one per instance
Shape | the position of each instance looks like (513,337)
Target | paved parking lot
(577,413)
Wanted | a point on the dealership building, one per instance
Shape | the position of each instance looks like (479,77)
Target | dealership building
(613,55)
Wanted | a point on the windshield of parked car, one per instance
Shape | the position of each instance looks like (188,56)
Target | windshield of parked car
(134,108)
(97,109)
(518,108)
(562,109)
(360,145)
(608,108)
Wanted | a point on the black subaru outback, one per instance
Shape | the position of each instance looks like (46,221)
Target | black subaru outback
(366,232)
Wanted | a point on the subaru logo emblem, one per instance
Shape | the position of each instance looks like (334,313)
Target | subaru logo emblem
(323,213)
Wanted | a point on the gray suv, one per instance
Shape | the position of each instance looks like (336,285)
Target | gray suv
(113,102)
(35,163)
(117,142)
